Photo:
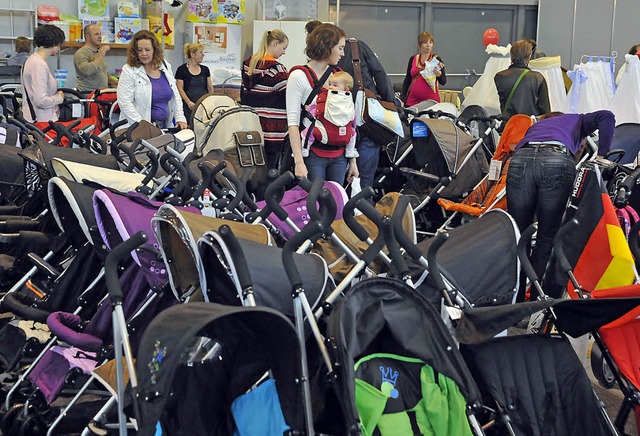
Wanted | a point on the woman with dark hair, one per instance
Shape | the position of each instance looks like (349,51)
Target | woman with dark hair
(325,47)
(264,86)
(41,96)
(520,90)
(147,89)
(425,74)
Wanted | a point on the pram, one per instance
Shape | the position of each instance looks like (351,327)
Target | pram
(229,349)
(219,123)
(397,369)
(528,382)
(490,193)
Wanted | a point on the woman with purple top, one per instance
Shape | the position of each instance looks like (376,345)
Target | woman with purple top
(147,88)
(541,173)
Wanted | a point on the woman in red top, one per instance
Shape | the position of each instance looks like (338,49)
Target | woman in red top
(425,74)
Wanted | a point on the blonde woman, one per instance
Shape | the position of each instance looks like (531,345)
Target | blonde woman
(192,78)
(264,84)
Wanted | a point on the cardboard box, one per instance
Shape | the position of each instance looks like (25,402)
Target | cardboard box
(125,28)
(106,27)
(129,9)
(93,9)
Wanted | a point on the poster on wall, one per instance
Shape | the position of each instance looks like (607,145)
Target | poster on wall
(221,43)
(291,10)
(231,11)
(217,11)
(93,9)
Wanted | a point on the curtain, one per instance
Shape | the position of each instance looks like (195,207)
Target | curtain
(592,87)
(626,101)
(549,67)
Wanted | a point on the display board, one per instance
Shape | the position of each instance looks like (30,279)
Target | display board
(294,54)
(221,43)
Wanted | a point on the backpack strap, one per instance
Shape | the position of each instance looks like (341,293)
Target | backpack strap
(513,90)
(24,91)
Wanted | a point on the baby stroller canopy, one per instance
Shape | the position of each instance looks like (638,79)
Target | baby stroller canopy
(121,216)
(178,233)
(72,207)
(381,315)
(248,341)
(440,148)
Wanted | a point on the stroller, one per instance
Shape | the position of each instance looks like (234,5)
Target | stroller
(230,349)
(398,370)
(490,193)
(219,123)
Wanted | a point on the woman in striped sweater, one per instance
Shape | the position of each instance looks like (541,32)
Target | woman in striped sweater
(264,82)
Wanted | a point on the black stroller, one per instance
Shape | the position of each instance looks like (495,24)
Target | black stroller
(228,349)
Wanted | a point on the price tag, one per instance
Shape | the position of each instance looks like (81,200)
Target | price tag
(495,169)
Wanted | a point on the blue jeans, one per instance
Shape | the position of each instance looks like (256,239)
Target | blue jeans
(329,169)
(367,162)
(539,183)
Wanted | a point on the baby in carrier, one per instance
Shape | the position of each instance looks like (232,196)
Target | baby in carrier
(334,112)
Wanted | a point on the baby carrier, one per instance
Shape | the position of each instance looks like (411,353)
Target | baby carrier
(333,122)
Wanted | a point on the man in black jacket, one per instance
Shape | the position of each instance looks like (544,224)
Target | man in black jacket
(375,78)
(527,89)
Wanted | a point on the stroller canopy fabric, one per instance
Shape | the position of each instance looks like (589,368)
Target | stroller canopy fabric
(72,207)
(381,316)
(251,341)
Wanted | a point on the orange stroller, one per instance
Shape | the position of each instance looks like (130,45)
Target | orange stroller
(490,193)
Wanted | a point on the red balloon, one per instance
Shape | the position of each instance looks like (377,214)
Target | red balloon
(491,36)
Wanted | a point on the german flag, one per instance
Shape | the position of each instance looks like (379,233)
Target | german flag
(597,250)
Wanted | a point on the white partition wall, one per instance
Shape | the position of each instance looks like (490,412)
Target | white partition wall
(294,30)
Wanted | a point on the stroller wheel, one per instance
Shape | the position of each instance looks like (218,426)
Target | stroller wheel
(10,420)
(601,369)
(34,425)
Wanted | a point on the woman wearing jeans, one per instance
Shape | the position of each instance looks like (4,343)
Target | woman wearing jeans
(325,47)
(541,173)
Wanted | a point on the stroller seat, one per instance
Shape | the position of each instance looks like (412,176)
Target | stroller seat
(538,385)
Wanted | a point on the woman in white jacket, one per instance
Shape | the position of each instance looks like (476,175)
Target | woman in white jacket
(147,88)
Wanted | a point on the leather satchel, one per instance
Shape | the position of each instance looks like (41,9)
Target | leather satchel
(376,118)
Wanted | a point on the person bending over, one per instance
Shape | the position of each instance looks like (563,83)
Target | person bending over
(541,173)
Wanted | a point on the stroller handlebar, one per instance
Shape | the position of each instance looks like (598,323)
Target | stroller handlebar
(273,194)
(311,231)
(240,262)
(432,257)
(558,243)
(347,213)
(114,258)
(523,254)
(398,232)
(239,186)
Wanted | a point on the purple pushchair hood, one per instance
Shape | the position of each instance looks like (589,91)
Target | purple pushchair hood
(119,216)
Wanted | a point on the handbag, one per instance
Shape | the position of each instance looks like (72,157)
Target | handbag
(377,119)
